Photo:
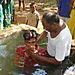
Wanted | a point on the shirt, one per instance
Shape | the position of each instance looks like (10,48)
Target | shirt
(22,57)
(64,8)
(32,18)
(59,47)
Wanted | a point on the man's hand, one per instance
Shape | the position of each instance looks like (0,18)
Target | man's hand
(30,49)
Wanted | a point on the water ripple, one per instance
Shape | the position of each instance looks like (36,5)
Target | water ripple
(3,52)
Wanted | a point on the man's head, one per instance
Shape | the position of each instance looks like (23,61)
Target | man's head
(50,21)
(32,7)
(30,36)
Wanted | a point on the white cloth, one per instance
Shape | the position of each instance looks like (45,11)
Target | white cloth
(59,47)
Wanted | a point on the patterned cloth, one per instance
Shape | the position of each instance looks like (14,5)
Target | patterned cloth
(22,57)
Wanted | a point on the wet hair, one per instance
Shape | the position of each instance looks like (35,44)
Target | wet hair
(33,3)
(51,17)
(29,34)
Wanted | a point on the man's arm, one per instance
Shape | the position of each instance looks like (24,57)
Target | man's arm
(44,59)
(42,36)
(37,19)
(26,22)
(37,23)
(39,58)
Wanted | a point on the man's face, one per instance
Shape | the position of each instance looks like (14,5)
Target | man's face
(48,27)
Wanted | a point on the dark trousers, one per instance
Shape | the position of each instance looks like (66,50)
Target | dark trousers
(20,4)
(58,69)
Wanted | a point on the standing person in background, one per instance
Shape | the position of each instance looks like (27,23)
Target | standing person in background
(71,23)
(12,10)
(1,15)
(64,9)
(33,16)
(23,3)
(6,12)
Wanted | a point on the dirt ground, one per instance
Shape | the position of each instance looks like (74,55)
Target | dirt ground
(19,18)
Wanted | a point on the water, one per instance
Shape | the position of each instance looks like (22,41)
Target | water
(7,56)
(8,46)
(7,53)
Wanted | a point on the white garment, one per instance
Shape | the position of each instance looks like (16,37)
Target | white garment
(59,47)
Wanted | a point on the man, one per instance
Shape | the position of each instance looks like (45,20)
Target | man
(64,9)
(59,42)
(33,16)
